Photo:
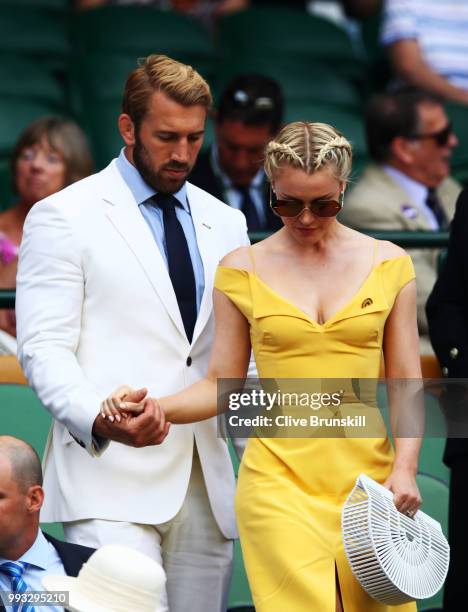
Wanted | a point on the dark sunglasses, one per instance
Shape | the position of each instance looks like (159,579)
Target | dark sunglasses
(441,137)
(293,208)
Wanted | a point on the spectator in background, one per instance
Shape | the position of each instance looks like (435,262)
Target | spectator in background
(249,113)
(407,187)
(26,551)
(447,314)
(50,154)
(427,43)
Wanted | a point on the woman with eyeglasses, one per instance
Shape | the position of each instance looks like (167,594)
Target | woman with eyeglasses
(315,300)
(50,154)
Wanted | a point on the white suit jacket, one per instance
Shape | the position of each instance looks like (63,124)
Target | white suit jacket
(96,309)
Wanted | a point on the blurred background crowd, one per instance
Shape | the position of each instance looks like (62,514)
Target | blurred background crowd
(392,75)
(63,66)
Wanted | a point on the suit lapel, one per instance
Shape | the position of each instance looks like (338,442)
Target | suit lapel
(405,207)
(71,555)
(124,214)
(205,231)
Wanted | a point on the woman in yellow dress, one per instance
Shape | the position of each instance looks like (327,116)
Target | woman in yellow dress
(314,300)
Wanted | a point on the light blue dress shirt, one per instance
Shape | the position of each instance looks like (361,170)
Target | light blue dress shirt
(417,192)
(233,196)
(44,561)
(153,216)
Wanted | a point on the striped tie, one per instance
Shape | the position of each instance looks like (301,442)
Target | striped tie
(15,569)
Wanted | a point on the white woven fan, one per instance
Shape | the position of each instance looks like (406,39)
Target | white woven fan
(396,559)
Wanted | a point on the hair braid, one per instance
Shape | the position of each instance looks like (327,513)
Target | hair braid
(309,146)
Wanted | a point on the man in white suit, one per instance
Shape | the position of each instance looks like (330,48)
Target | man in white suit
(114,286)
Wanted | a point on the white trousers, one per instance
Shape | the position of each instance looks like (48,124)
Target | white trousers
(195,555)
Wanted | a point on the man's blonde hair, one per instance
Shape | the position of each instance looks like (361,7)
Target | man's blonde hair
(309,147)
(178,81)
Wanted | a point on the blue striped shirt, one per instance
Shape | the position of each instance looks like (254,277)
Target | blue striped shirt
(43,560)
(441,29)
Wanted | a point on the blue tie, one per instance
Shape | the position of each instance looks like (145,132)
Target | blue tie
(14,570)
(179,262)
(433,202)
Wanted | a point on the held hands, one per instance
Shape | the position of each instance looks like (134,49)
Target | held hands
(406,496)
(112,407)
(142,423)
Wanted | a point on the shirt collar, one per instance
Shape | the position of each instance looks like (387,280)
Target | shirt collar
(417,191)
(140,190)
(37,555)
(256,182)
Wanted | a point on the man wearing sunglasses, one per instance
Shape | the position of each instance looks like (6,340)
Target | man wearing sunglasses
(249,113)
(407,186)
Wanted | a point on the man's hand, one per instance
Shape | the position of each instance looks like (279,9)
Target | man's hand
(148,428)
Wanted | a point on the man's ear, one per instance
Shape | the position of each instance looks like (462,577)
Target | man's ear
(127,129)
(402,150)
(35,498)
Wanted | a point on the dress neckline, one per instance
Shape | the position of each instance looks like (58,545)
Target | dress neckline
(304,314)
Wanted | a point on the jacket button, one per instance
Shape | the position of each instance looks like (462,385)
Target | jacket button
(189,361)
(445,371)
(454,353)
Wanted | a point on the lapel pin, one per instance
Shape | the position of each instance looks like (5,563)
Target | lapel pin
(410,212)
(367,302)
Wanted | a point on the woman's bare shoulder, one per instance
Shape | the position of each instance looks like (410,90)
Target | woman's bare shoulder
(389,250)
(239,258)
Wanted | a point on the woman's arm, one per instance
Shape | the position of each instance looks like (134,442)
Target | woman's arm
(229,359)
(403,372)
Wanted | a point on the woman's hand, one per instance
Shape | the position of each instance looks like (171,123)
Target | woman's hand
(406,496)
(111,407)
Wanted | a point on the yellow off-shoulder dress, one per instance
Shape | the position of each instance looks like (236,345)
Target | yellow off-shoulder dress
(291,491)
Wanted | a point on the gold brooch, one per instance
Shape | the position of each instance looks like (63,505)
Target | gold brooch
(367,302)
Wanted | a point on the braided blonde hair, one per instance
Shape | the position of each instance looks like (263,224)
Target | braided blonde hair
(309,146)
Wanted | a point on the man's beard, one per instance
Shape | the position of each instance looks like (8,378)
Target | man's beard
(154,178)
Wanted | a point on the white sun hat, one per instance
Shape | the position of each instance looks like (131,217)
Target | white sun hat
(114,579)
(395,558)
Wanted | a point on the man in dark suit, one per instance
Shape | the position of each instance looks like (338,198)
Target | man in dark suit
(447,314)
(26,553)
(249,114)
